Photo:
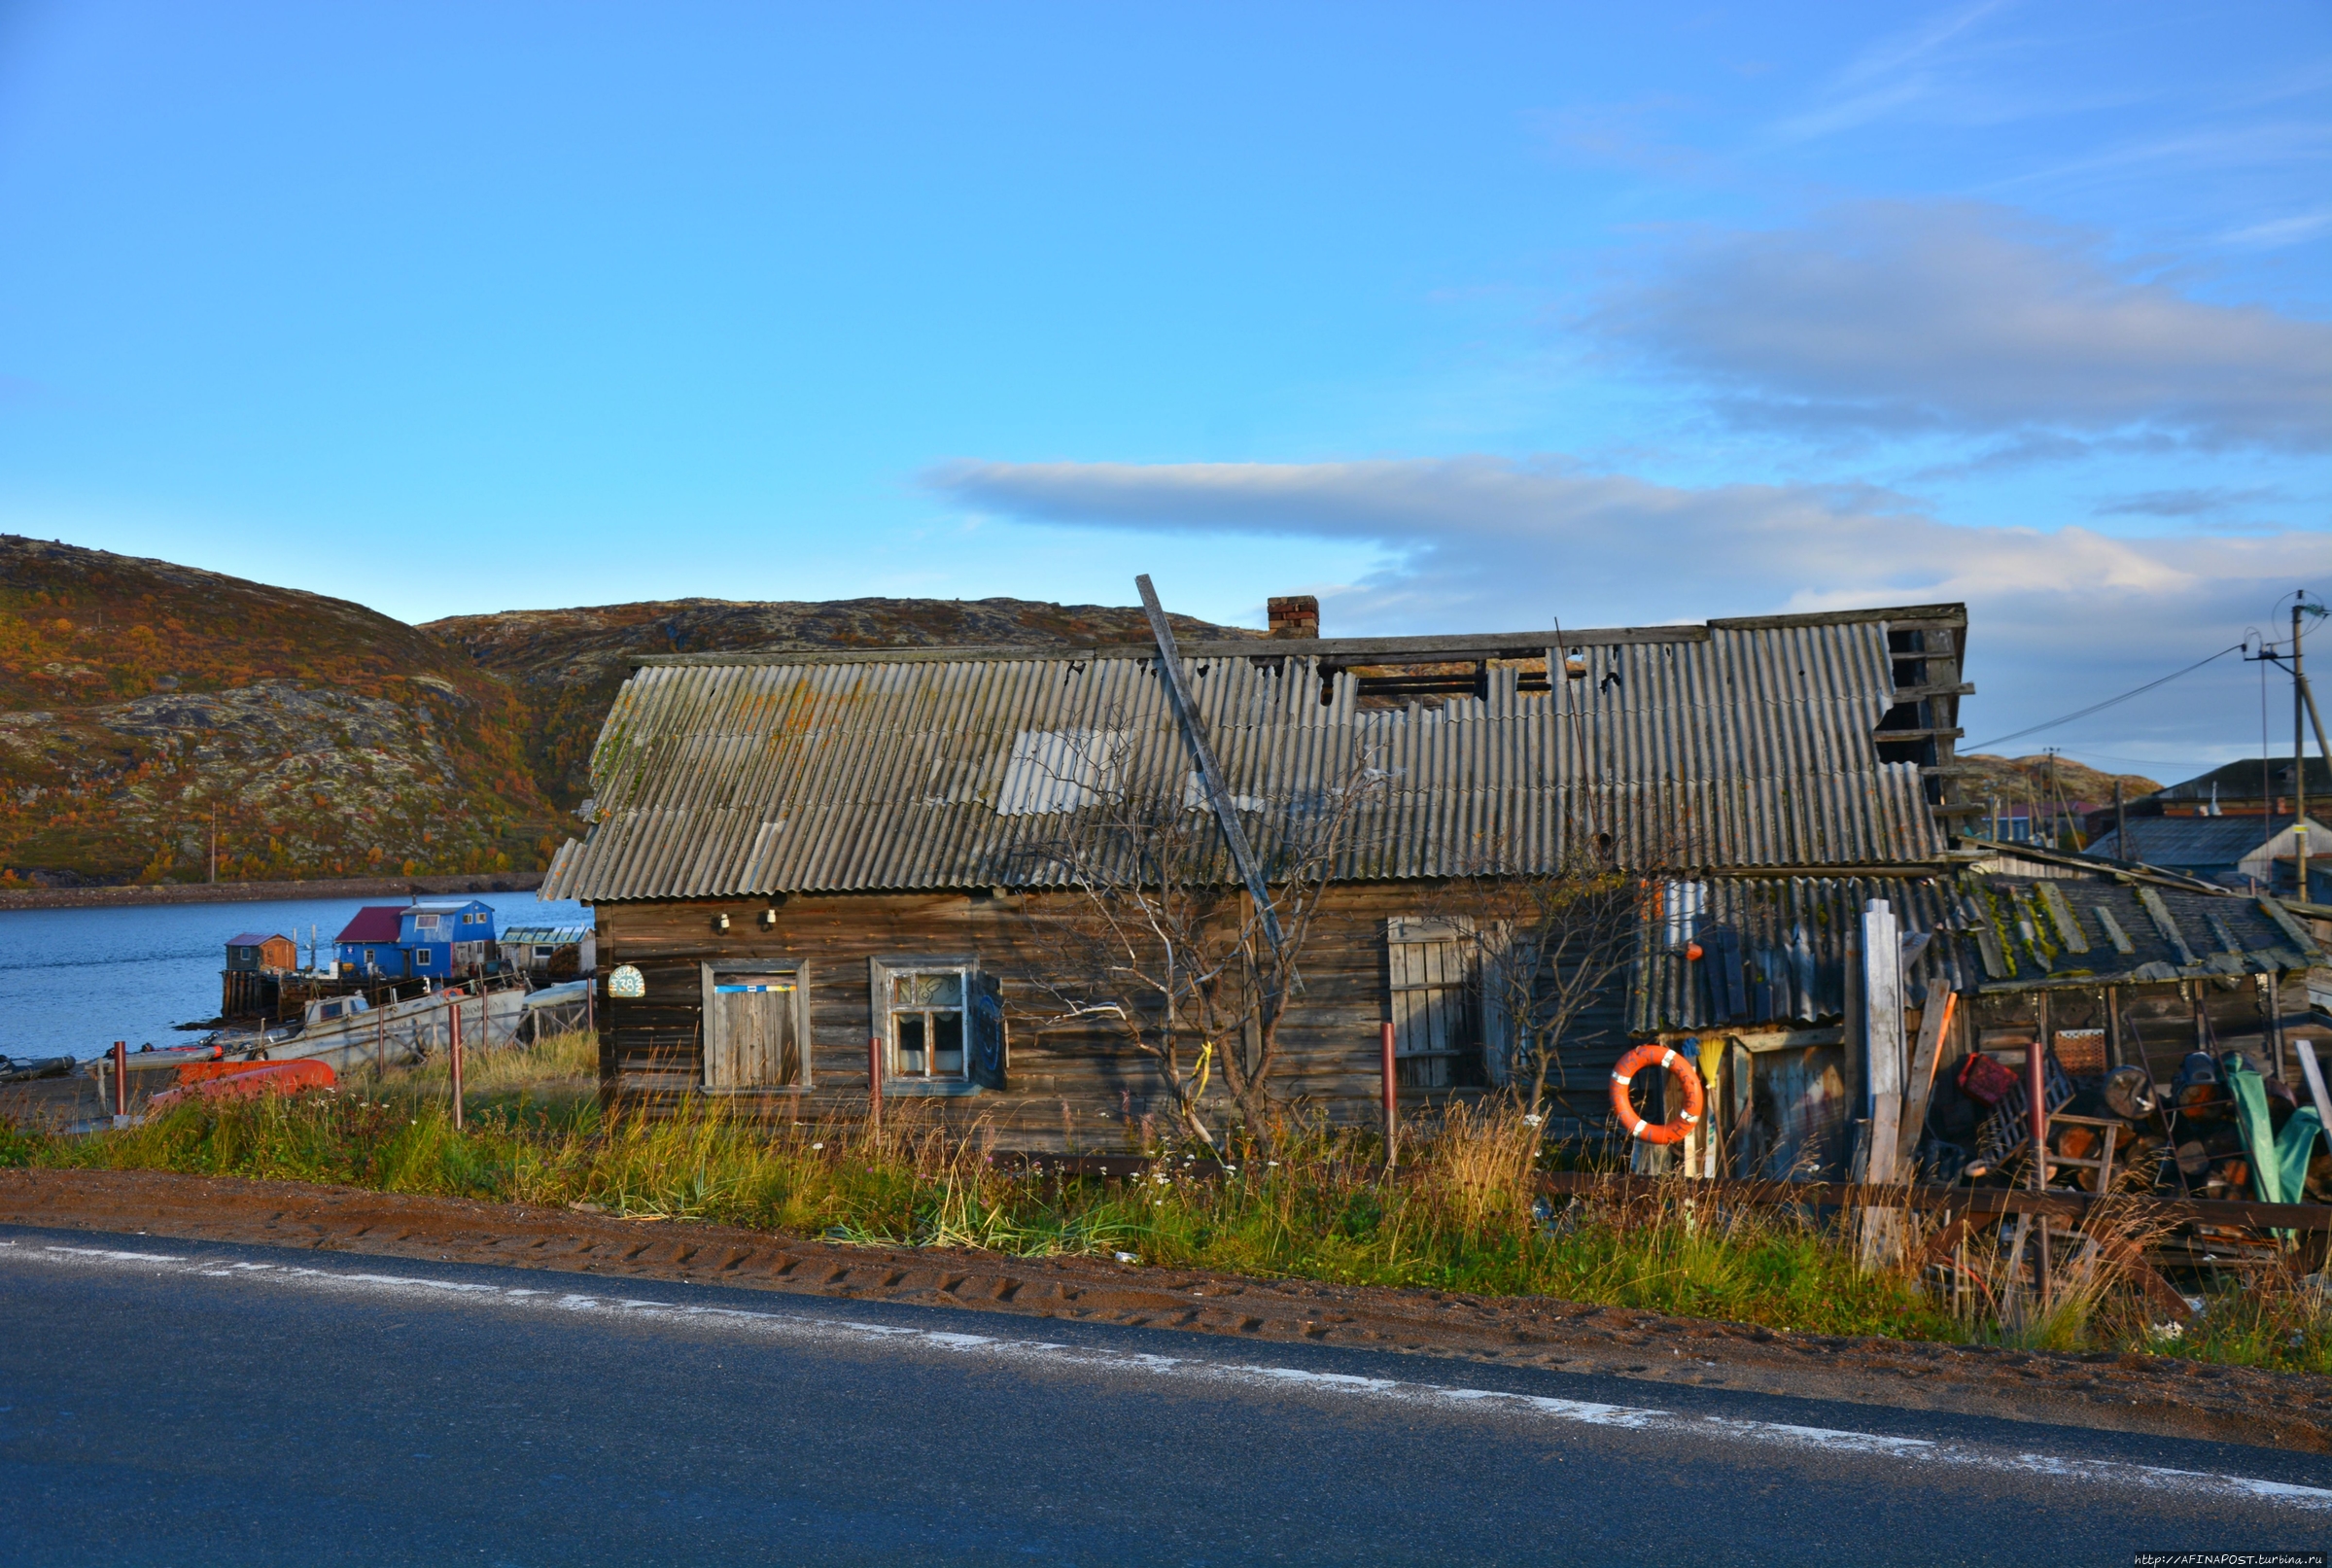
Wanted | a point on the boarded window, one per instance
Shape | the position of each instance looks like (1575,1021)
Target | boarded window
(1434,969)
(753,1029)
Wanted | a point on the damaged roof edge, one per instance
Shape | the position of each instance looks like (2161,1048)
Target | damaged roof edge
(1477,644)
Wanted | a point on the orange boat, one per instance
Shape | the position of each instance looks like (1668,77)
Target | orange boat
(244,1080)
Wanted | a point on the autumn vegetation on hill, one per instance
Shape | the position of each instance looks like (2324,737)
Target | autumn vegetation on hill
(144,702)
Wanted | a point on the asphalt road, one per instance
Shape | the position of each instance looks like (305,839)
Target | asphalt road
(184,1403)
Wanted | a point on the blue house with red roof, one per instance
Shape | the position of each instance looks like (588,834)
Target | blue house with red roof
(418,941)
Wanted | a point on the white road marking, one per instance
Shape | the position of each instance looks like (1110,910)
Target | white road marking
(1039,1353)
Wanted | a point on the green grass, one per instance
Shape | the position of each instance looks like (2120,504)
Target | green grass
(1462,1218)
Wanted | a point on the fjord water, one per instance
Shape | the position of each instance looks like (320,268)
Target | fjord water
(77,979)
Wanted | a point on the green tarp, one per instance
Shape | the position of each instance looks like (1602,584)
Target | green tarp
(2278,1164)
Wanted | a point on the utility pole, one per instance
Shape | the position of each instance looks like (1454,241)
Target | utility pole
(2299,756)
(214,841)
(2121,822)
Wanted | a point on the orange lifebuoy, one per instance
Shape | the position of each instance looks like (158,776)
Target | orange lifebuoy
(1680,1122)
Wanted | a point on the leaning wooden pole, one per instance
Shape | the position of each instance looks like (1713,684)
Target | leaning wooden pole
(1194,732)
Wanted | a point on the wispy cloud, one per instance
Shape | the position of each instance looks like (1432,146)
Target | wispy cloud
(2205,501)
(2277,231)
(1478,542)
(1905,68)
(1967,319)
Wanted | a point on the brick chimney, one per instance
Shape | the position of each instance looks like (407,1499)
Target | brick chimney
(1296,616)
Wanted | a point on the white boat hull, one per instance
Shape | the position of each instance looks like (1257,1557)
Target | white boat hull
(405,1032)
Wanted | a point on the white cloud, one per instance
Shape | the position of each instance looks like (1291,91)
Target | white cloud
(1969,319)
(2059,619)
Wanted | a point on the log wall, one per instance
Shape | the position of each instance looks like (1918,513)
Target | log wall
(1068,1086)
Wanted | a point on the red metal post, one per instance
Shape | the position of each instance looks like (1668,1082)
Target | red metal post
(453,1013)
(1392,1096)
(874,1081)
(120,1077)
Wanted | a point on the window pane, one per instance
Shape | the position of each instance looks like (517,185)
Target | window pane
(911,1043)
(938,987)
(947,1037)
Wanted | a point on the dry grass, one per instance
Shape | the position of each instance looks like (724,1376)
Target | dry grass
(559,1070)
(1465,1215)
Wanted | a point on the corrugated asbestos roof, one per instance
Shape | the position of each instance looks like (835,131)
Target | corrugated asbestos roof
(1773,949)
(518,936)
(2195,843)
(1729,746)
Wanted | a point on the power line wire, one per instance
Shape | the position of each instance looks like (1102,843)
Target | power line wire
(2098,708)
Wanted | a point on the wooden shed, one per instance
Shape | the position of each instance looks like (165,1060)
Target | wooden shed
(809,869)
(250,952)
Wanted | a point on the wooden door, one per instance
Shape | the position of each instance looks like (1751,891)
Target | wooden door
(751,1040)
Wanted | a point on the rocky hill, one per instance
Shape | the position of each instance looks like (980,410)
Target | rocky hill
(2034,781)
(140,700)
(566,664)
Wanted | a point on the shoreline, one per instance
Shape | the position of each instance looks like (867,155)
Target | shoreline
(252,893)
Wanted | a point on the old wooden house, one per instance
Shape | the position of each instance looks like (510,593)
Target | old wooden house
(809,868)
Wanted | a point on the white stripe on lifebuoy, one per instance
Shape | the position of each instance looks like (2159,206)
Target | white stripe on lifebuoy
(1668,1060)
(1619,1078)
(1638,1131)
(1686,1117)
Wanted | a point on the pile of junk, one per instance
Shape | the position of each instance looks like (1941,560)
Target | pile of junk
(2224,1128)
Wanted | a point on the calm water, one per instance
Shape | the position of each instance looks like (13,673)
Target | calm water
(77,979)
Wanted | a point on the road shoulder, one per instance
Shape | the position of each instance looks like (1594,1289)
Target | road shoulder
(2158,1395)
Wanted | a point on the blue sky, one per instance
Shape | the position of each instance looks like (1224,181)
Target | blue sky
(1461,317)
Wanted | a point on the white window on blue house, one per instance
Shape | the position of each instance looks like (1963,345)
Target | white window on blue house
(421,958)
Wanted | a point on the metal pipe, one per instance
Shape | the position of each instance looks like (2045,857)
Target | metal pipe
(874,1082)
(453,1019)
(1392,1098)
(121,1078)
